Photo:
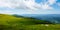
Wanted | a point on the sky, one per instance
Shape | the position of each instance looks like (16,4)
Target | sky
(29,6)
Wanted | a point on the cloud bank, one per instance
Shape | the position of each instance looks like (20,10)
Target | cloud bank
(28,5)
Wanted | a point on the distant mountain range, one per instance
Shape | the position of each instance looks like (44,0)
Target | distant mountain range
(55,18)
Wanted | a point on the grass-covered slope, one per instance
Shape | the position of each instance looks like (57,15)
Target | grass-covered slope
(9,22)
(9,18)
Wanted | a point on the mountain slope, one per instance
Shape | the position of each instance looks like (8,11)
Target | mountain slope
(9,22)
(9,18)
(54,18)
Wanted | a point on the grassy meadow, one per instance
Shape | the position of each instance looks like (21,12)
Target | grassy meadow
(10,22)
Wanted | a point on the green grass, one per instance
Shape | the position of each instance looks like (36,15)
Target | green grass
(8,22)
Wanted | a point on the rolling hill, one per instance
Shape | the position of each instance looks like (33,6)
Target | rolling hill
(4,18)
(14,22)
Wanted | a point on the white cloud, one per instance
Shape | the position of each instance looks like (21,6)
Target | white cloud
(51,2)
(27,5)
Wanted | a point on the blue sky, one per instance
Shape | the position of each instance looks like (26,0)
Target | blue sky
(30,6)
